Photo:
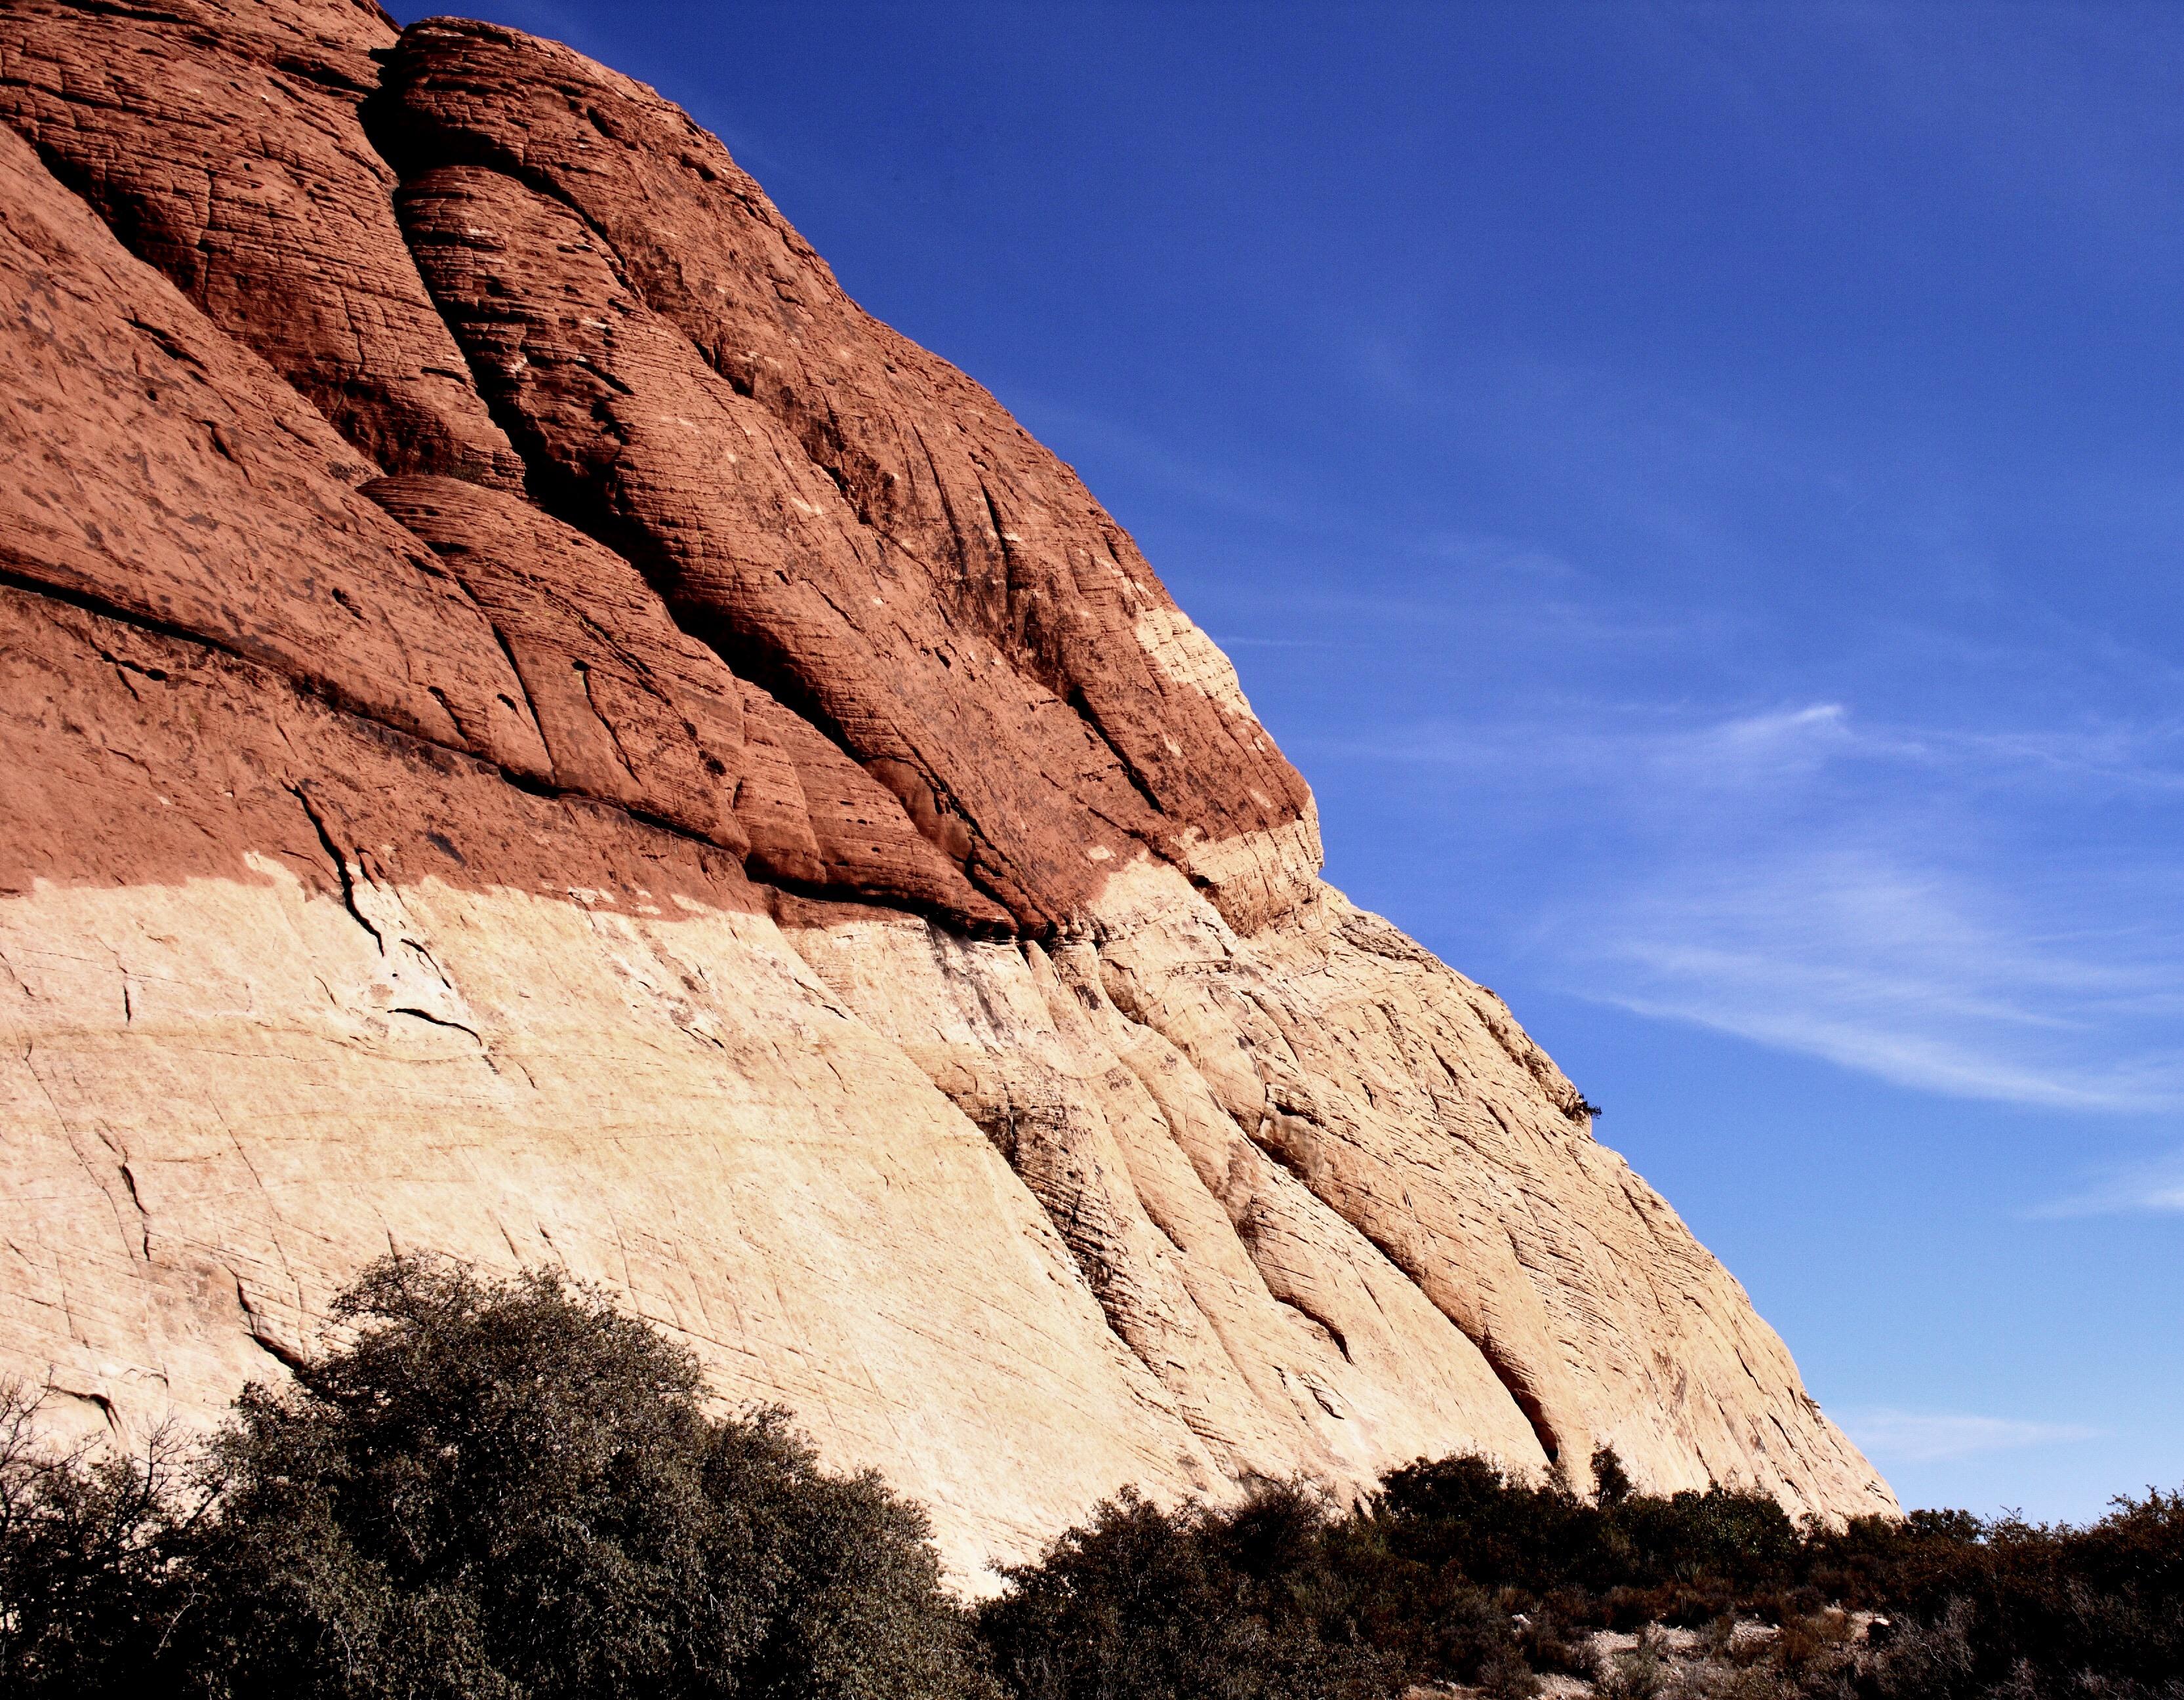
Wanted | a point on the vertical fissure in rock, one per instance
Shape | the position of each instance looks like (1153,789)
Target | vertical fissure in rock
(1341,1340)
(143,1216)
(1081,704)
(341,866)
(1512,1376)
(1517,1385)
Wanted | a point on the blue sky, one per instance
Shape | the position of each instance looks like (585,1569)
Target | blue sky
(1699,491)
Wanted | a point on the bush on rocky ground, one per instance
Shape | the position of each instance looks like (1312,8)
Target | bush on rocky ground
(1457,1574)
(1163,1604)
(506,1490)
(496,1490)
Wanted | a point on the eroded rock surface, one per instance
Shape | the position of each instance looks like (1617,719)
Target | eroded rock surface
(617,757)
(222,143)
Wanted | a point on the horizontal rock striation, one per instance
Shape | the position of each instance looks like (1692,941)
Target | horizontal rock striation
(534,728)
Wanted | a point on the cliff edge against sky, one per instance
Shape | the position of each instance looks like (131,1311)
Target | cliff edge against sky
(536,729)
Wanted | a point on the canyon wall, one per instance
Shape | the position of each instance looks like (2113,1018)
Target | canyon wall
(531,727)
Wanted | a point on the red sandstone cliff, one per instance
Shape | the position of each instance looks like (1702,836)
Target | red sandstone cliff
(534,727)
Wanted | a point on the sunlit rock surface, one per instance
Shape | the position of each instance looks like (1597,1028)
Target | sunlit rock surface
(531,727)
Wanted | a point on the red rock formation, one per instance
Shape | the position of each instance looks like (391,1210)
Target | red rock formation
(632,434)
(895,473)
(531,726)
(221,143)
(636,713)
(159,470)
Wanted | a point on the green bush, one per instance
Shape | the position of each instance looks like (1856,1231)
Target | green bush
(1146,1603)
(1625,1558)
(1461,1515)
(507,1491)
(87,1590)
(1981,1610)
(2009,1606)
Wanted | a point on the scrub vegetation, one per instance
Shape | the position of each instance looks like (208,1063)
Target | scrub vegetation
(507,1489)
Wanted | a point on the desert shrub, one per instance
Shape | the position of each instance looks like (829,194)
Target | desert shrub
(1273,1598)
(2011,1607)
(1986,1609)
(1623,1560)
(87,1590)
(1611,1482)
(507,1491)
(1929,1660)
(1463,1515)
(1635,1673)
(1743,1540)
(1551,1645)
(1145,1603)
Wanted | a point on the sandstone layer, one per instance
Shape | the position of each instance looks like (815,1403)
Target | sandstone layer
(532,726)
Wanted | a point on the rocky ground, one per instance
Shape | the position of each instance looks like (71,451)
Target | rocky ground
(1742,1659)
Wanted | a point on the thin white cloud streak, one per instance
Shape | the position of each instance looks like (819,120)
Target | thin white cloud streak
(1966,1068)
(1937,1437)
(1813,884)
(1782,743)
(1892,972)
(2150,1189)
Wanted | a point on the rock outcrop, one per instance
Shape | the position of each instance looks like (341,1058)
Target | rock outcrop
(535,727)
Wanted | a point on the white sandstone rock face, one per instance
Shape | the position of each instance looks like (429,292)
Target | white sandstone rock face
(1017,1224)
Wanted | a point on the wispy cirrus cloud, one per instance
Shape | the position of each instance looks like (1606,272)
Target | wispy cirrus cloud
(1773,745)
(1897,899)
(1922,975)
(2143,1189)
(1976,902)
(1890,1436)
